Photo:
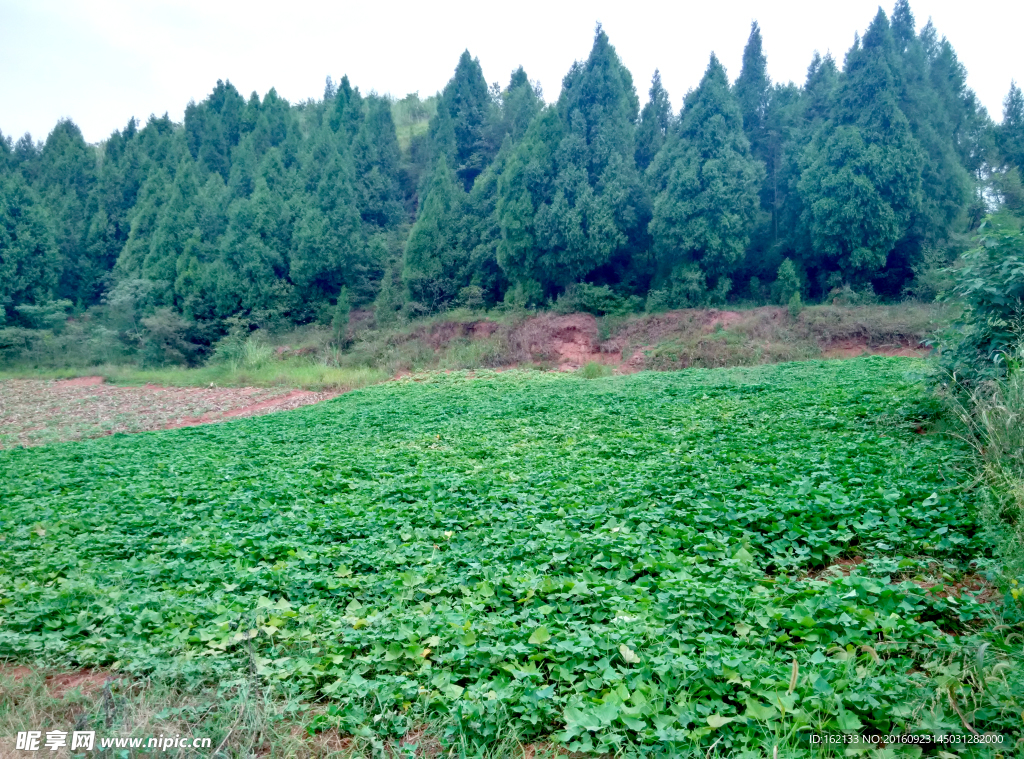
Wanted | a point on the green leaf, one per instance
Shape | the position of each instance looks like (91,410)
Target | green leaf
(715,721)
(540,635)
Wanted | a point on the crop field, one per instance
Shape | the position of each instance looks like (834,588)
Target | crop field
(740,558)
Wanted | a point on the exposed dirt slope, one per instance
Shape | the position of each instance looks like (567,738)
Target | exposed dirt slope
(709,337)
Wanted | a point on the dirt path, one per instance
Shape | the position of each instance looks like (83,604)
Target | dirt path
(36,412)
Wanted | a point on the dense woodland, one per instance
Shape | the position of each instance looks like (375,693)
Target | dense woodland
(868,177)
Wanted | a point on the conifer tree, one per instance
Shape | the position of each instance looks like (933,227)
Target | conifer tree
(1011,130)
(589,210)
(520,103)
(753,91)
(376,157)
(862,185)
(65,175)
(435,264)
(29,256)
(525,187)
(707,186)
(655,119)
(945,185)
(459,132)
(328,246)
(347,112)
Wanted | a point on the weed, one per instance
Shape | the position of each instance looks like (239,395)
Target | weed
(594,370)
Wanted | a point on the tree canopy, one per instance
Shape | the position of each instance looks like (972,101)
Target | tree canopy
(261,210)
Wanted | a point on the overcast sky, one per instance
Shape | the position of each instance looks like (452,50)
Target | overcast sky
(104,61)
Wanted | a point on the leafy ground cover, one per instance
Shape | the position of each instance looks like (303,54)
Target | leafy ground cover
(739,559)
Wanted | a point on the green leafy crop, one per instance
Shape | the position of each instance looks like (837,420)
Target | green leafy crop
(631,560)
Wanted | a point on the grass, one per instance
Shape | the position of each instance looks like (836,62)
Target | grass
(990,418)
(708,561)
(680,340)
(307,357)
(303,376)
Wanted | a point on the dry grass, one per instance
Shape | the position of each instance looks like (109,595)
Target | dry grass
(240,718)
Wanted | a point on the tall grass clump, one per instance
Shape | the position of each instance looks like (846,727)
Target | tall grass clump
(989,416)
(240,351)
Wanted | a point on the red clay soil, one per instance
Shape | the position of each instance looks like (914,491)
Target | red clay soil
(37,412)
(80,382)
(86,681)
(568,341)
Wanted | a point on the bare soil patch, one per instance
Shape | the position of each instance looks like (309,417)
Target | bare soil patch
(81,382)
(58,684)
(37,412)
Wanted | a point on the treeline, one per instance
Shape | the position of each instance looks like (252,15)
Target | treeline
(257,212)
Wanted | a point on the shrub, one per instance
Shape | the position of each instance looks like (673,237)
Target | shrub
(166,340)
(795,306)
(990,285)
(786,283)
(595,299)
(342,312)
(594,370)
(240,349)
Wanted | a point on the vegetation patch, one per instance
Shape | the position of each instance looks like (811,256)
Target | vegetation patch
(616,563)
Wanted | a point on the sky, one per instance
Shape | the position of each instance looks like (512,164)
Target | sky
(102,62)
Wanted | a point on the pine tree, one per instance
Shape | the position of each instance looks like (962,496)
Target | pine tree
(347,113)
(753,91)
(1011,130)
(253,257)
(971,125)
(29,256)
(655,119)
(571,203)
(601,91)
(435,265)
(6,154)
(214,127)
(525,185)
(862,185)
(520,103)
(342,312)
(945,185)
(459,132)
(65,175)
(707,187)
(328,246)
(376,157)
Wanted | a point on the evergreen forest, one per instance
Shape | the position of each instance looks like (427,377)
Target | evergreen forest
(868,177)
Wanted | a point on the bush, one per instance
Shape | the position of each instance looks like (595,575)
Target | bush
(342,313)
(795,306)
(52,315)
(471,297)
(786,283)
(595,370)
(847,296)
(595,299)
(990,285)
(167,339)
(241,349)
